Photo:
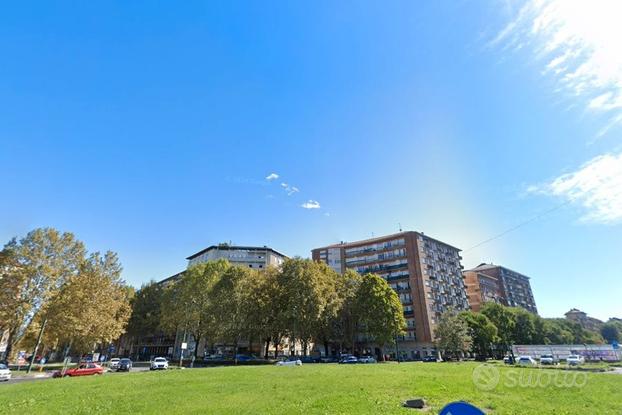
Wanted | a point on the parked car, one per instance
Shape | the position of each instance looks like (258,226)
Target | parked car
(329,359)
(125,365)
(113,364)
(84,369)
(367,359)
(547,359)
(430,358)
(348,360)
(159,363)
(297,362)
(5,373)
(575,360)
(509,360)
(526,361)
(309,359)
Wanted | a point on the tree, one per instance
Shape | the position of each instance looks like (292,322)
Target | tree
(503,319)
(451,334)
(483,333)
(524,326)
(555,331)
(92,306)
(610,332)
(187,303)
(230,301)
(337,322)
(331,291)
(35,268)
(381,318)
(10,283)
(146,310)
(304,297)
(267,302)
(579,335)
(346,322)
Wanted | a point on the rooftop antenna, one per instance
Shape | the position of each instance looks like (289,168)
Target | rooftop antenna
(399,226)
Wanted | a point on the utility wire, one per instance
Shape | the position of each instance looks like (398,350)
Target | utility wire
(520,225)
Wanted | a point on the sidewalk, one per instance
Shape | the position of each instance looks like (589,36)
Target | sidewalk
(22,375)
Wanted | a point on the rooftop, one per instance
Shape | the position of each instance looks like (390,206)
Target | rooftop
(383,238)
(226,247)
(484,266)
(172,277)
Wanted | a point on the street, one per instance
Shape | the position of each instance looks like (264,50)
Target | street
(19,378)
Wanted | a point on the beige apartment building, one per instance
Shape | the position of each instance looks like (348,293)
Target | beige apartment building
(426,274)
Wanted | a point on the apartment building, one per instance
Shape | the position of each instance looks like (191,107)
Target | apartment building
(255,257)
(482,288)
(489,282)
(425,272)
(246,256)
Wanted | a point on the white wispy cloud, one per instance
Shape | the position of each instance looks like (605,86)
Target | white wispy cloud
(311,204)
(578,43)
(596,186)
(290,189)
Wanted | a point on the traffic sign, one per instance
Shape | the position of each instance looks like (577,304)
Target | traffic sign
(184,346)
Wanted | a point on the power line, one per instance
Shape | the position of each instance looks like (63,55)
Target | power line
(520,225)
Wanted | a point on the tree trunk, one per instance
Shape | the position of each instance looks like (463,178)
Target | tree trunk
(326,348)
(304,347)
(196,346)
(235,353)
(34,353)
(276,348)
(267,348)
(9,348)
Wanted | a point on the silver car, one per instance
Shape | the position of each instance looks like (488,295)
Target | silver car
(159,363)
(5,373)
(113,364)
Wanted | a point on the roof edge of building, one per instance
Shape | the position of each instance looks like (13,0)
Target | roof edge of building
(172,277)
(234,247)
(485,266)
(381,238)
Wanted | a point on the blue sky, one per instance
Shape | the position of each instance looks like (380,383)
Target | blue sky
(150,129)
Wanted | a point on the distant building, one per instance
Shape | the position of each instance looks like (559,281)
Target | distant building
(482,288)
(161,344)
(247,256)
(488,282)
(425,272)
(254,257)
(580,317)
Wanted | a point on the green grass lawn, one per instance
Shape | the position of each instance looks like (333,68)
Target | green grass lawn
(312,389)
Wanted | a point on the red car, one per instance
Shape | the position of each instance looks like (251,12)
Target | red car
(84,369)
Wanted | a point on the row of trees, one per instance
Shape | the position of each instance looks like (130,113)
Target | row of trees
(493,330)
(302,301)
(54,294)
(612,331)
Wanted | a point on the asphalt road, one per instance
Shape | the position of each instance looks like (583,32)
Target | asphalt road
(19,379)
